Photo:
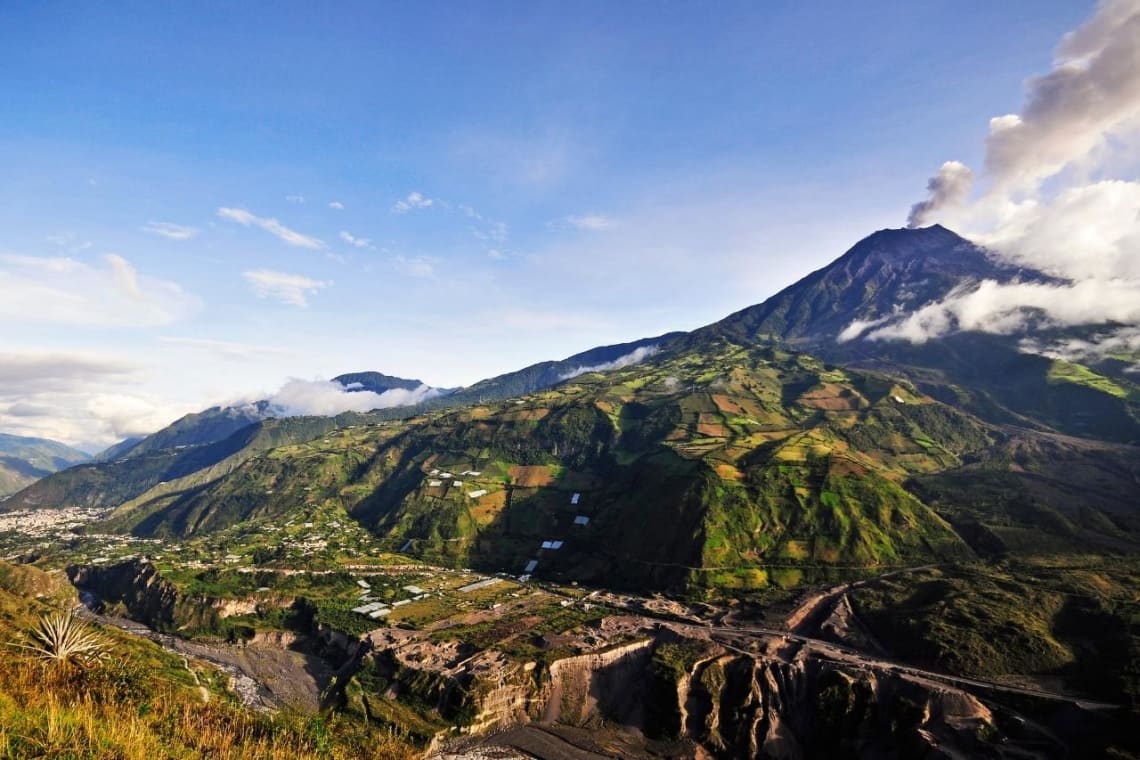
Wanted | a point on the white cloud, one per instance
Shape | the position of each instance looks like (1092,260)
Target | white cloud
(1052,202)
(636,356)
(272,226)
(67,291)
(337,205)
(293,289)
(416,266)
(1125,341)
(327,398)
(414,200)
(858,327)
(295,198)
(1005,309)
(351,239)
(78,399)
(170,231)
(590,222)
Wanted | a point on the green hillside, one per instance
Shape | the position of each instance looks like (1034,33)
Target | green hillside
(740,468)
(112,483)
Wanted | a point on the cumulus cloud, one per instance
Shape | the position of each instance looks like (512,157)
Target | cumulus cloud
(413,200)
(272,226)
(170,231)
(78,399)
(1092,92)
(949,187)
(1054,196)
(337,205)
(293,289)
(635,356)
(68,291)
(327,398)
(352,240)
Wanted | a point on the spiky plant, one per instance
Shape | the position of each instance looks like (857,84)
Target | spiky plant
(64,641)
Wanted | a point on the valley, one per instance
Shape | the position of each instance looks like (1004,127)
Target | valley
(727,547)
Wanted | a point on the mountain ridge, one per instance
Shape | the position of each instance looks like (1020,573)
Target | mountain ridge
(23,460)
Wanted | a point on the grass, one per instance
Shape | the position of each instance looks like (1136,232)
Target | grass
(141,702)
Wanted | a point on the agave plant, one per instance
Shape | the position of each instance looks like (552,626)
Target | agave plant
(63,640)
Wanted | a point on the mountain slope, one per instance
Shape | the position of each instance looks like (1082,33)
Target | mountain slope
(886,271)
(993,376)
(735,467)
(110,484)
(24,460)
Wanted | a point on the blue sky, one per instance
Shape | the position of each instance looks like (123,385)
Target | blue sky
(202,200)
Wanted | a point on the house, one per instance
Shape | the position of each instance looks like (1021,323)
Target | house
(530,566)
(581,520)
(477,494)
(574,498)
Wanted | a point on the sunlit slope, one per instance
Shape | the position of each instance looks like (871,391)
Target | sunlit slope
(734,467)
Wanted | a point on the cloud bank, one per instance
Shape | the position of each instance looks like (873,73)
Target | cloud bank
(79,399)
(327,398)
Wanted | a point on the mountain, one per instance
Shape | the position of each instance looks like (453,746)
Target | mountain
(959,506)
(110,484)
(25,460)
(726,457)
(377,382)
(115,476)
(118,450)
(549,373)
(991,375)
(887,271)
(197,429)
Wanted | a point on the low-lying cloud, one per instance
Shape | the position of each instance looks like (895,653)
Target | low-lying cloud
(636,356)
(327,398)
(1006,309)
(1124,341)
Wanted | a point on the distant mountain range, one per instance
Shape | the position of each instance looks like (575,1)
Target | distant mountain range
(749,452)
(25,460)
